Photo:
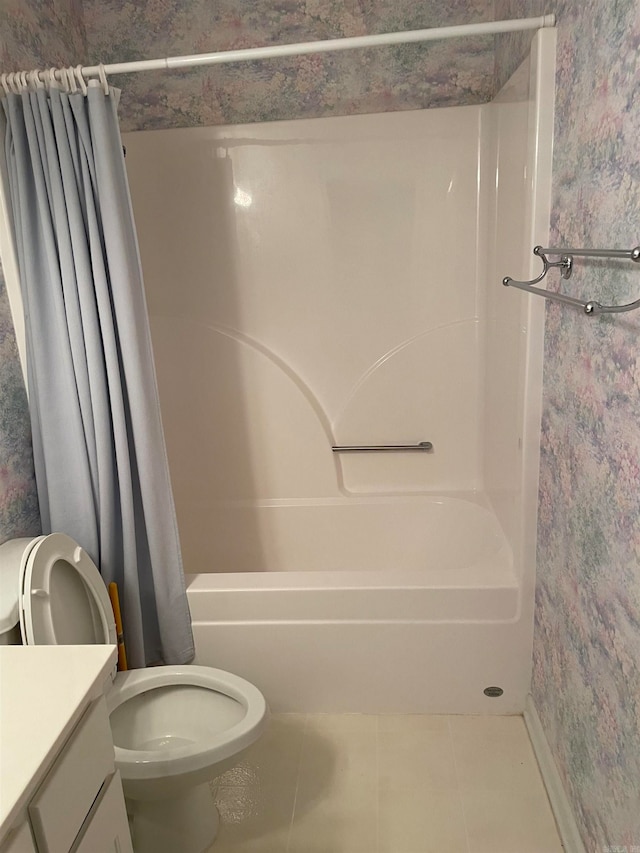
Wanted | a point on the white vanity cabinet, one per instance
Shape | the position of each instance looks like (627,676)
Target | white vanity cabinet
(59,789)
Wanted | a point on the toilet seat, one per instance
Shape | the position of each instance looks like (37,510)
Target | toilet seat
(220,745)
(62,596)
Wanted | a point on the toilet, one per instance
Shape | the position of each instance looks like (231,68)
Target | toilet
(175,728)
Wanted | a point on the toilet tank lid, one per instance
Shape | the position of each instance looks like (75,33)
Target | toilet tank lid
(11,555)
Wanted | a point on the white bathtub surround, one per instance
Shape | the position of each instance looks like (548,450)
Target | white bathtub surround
(295,284)
(385,784)
(565,819)
(338,281)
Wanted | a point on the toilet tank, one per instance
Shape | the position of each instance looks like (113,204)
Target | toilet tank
(11,636)
(11,554)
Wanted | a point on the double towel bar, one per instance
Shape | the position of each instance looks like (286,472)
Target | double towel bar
(565,264)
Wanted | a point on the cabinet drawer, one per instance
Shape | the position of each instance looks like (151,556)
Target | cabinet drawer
(65,797)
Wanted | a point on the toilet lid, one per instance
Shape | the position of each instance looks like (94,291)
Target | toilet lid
(63,599)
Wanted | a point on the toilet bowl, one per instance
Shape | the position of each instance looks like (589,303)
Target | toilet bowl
(174,728)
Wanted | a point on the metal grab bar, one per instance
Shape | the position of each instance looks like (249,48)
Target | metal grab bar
(424,446)
(590,307)
(630,254)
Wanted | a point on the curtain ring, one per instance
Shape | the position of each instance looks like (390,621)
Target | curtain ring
(14,83)
(23,81)
(80,78)
(34,79)
(64,73)
(72,86)
(102,74)
(5,85)
(53,80)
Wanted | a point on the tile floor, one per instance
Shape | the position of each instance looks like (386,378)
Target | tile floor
(386,784)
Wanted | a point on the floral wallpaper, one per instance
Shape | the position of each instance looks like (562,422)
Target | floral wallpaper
(33,33)
(586,680)
(41,33)
(19,514)
(364,81)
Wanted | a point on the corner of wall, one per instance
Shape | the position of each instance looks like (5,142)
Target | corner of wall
(512,48)
(565,820)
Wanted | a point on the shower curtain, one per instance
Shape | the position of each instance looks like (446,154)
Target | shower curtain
(101,467)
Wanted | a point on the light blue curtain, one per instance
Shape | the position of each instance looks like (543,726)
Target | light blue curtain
(99,453)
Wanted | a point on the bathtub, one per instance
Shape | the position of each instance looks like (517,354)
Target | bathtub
(376,604)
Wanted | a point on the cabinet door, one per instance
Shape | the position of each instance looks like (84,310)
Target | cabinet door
(69,790)
(20,841)
(106,829)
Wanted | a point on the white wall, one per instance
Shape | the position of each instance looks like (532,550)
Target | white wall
(516,191)
(505,137)
(313,282)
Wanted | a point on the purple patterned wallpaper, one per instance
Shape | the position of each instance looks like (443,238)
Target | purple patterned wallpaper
(19,514)
(32,33)
(586,680)
(41,33)
(375,80)
(587,634)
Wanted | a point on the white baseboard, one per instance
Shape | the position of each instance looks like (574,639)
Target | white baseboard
(562,811)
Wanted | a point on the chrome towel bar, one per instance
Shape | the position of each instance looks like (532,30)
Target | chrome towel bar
(565,264)
(424,446)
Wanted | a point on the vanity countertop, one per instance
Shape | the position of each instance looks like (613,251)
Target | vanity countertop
(43,693)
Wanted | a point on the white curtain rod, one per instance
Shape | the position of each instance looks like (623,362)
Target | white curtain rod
(248,54)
